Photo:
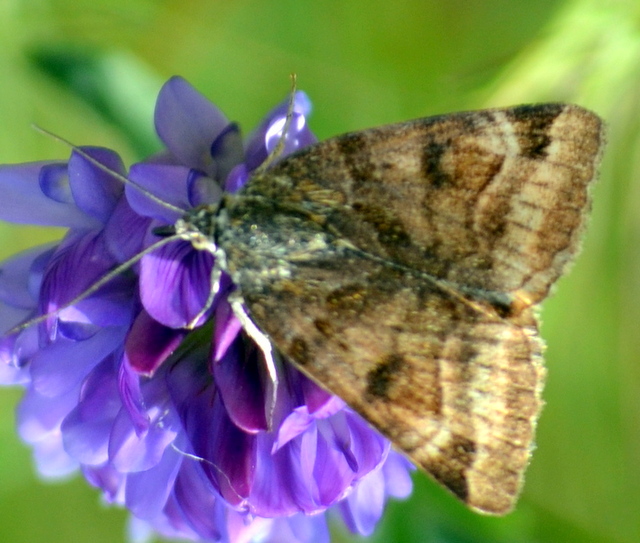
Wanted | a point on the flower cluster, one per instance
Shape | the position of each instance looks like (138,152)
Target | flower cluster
(169,420)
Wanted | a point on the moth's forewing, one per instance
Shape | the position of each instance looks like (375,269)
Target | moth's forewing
(400,267)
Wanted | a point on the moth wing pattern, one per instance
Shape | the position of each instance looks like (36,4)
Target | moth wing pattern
(400,268)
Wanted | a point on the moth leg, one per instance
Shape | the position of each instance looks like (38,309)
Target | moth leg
(264,344)
(214,281)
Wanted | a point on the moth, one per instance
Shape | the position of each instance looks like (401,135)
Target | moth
(401,268)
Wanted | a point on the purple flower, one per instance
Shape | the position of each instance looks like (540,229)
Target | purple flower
(170,412)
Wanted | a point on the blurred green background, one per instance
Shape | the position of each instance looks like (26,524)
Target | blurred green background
(90,70)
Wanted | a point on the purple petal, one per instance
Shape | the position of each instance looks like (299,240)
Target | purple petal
(54,182)
(200,504)
(188,123)
(149,343)
(363,508)
(237,178)
(133,451)
(87,428)
(10,373)
(226,330)
(203,190)
(16,351)
(278,488)
(368,446)
(52,461)
(300,529)
(125,232)
(331,470)
(108,480)
(169,184)
(245,529)
(95,191)
(111,305)
(267,136)
(295,424)
(238,377)
(131,396)
(78,251)
(147,491)
(16,276)
(397,474)
(63,364)
(296,138)
(170,522)
(320,402)
(301,418)
(227,151)
(175,283)
(227,451)
(39,416)
(24,202)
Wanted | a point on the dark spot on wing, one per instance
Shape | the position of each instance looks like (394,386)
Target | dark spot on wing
(532,125)
(324,327)
(450,468)
(355,153)
(299,350)
(380,378)
(349,298)
(432,154)
(389,230)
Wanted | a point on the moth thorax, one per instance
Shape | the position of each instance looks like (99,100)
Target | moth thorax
(201,219)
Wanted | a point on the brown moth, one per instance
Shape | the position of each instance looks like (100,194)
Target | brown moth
(401,268)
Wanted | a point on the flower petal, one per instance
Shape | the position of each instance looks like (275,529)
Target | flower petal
(175,283)
(227,452)
(269,133)
(149,343)
(62,365)
(278,489)
(397,474)
(237,178)
(52,461)
(133,451)
(125,231)
(39,415)
(131,396)
(363,508)
(167,183)
(300,529)
(226,330)
(147,491)
(94,190)
(24,202)
(16,277)
(86,430)
(188,124)
(238,377)
(110,305)
(200,504)
(202,190)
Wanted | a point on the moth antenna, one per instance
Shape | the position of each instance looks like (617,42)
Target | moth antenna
(123,179)
(279,148)
(98,284)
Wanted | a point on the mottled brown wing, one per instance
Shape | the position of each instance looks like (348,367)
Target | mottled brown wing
(493,200)
(399,268)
